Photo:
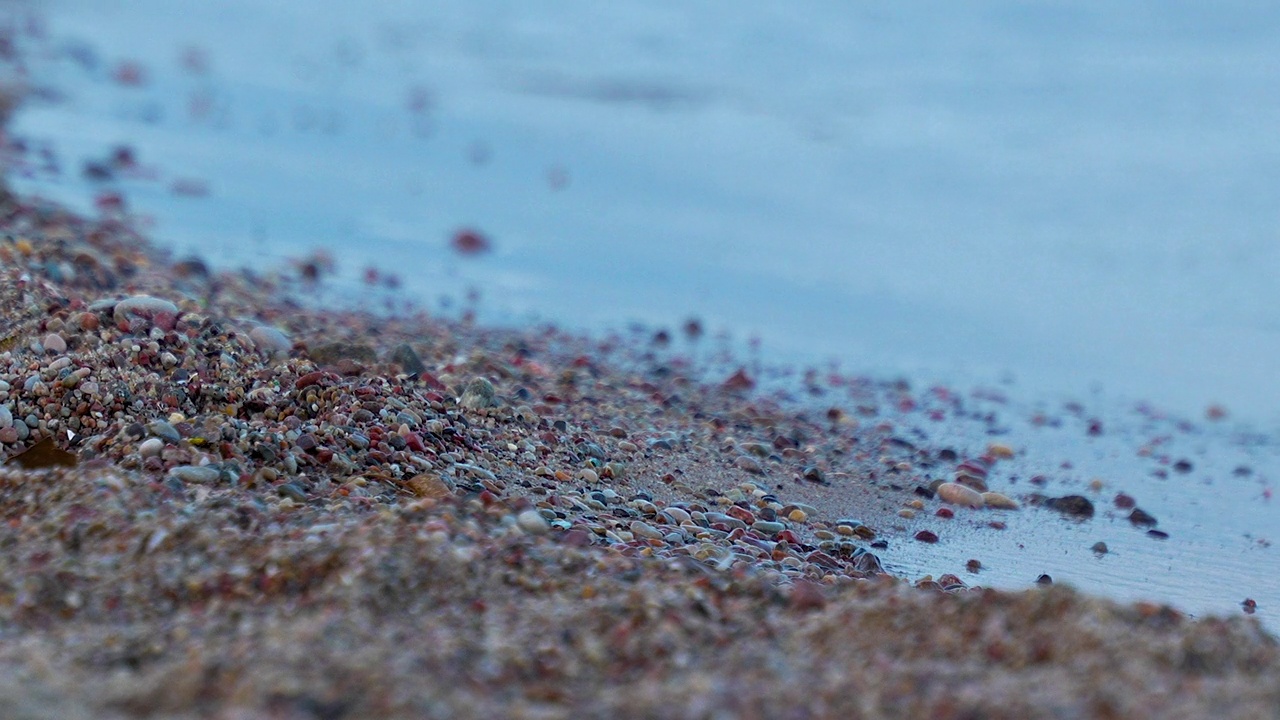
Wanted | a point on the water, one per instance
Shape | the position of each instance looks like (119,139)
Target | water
(1072,198)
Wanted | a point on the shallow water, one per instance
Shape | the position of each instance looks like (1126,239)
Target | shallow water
(1074,198)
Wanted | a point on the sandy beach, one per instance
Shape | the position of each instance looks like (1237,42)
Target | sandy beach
(247,506)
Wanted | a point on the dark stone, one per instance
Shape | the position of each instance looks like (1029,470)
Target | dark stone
(1124,502)
(1158,534)
(813,473)
(331,353)
(1141,517)
(924,492)
(407,358)
(1044,580)
(293,491)
(927,536)
(1073,505)
(1182,466)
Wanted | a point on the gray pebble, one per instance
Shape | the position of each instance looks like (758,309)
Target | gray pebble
(768,527)
(196,473)
(164,431)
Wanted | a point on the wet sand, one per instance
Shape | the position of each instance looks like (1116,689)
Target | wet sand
(289,509)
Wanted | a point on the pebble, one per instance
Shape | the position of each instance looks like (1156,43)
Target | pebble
(6,417)
(8,435)
(1074,505)
(1000,450)
(164,431)
(644,529)
(151,447)
(927,536)
(1142,517)
(749,464)
(293,491)
(768,527)
(999,501)
(679,516)
(532,522)
(53,343)
(137,312)
(479,394)
(407,358)
(196,473)
(1100,548)
(958,494)
(798,516)
(270,341)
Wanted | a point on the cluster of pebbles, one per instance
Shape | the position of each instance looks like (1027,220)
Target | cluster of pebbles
(314,512)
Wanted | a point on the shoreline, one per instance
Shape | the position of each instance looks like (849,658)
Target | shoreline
(280,511)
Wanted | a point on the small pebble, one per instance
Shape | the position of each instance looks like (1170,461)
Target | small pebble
(768,527)
(927,536)
(151,447)
(532,522)
(1100,548)
(749,464)
(958,494)
(270,341)
(196,473)
(999,501)
(53,343)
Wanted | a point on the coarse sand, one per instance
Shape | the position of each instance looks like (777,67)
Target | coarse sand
(284,509)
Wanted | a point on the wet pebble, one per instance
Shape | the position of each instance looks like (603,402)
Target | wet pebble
(1142,517)
(999,501)
(1073,505)
(958,494)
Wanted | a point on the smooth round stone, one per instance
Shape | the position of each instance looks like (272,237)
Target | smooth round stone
(797,516)
(23,431)
(999,501)
(195,473)
(53,343)
(6,417)
(161,312)
(532,522)
(733,522)
(644,529)
(768,527)
(749,464)
(8,435)
(270,340)
(164,431)
(151,447)
(958,494)
(677,515)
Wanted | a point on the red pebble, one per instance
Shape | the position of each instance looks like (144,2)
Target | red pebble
(1124,501)
(945,513)
(744,515)
(414,442)
(739,381)
(927,536)
(309,379)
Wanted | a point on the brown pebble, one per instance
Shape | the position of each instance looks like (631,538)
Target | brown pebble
(927,536)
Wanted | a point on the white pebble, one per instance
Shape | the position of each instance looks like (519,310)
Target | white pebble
(532,522)
(151,447)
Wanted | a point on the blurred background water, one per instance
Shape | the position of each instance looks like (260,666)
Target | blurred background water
(1076,198)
